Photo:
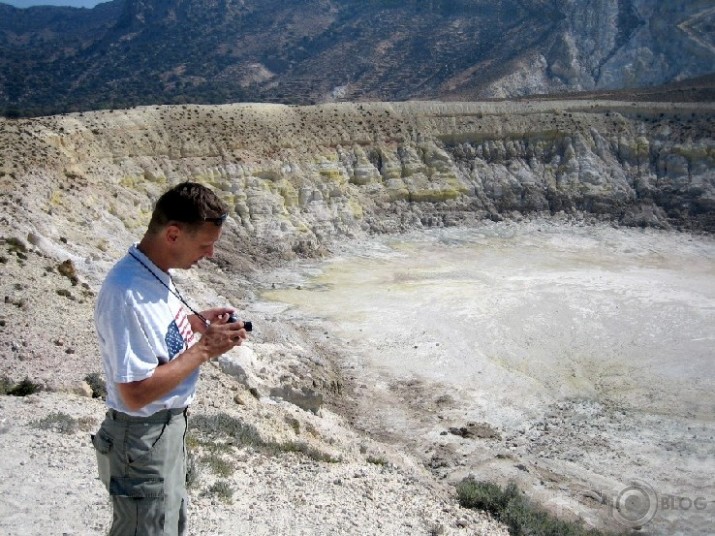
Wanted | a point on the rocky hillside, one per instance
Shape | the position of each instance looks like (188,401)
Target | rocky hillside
(80,187)
(139,52)
(297,177)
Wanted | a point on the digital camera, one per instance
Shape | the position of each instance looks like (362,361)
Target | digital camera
(247,324)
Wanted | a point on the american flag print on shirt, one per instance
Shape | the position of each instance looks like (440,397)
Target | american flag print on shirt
(179,335)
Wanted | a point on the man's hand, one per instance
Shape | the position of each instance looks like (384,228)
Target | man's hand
(216,339)
(220,335)
(212,315)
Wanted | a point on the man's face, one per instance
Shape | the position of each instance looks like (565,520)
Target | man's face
(192,246)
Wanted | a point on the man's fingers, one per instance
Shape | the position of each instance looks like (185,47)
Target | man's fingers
(227,334)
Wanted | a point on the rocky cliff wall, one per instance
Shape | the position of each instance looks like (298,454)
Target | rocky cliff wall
(298,177)
(610,44)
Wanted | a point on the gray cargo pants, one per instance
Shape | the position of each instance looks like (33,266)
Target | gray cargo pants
(142,463)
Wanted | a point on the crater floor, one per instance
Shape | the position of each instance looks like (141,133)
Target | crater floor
(587,352)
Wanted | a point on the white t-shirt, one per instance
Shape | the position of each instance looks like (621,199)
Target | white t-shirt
(141,325)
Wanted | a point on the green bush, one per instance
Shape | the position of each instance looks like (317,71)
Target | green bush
(97,384)
(511,507)
(218,465)
(221,489)
(304,449)
(24,388)
(62,423)
(485,496)
(5,385)
(223,425)
(16,246)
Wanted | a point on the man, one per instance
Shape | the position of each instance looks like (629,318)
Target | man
(152,349)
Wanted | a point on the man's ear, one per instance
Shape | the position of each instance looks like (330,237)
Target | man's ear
(171,233)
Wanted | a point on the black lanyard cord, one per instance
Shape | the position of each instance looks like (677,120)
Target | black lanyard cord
(174,291)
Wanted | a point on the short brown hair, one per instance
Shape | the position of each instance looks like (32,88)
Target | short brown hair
(189,203)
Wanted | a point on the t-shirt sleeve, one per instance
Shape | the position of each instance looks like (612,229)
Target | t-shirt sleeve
(125,340)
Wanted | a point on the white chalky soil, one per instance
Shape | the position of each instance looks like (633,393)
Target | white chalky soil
(590,349)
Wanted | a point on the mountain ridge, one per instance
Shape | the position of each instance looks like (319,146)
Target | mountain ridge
(133,52)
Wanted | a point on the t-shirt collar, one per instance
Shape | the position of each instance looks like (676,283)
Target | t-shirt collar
(136,252)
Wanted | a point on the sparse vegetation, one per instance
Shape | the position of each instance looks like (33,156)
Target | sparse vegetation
(511,507)
(436,530)
(24,388)
(63,423)
(16,247)
(218,465)
(221,489)
(5,385)
(65,293)
(214,426)
(304,449)
(97,384)
(377,460)
(209,430)
(293,423)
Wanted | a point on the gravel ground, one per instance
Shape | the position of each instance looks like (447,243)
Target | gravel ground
(48,485)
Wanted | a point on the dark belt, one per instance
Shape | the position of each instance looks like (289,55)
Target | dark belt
(164,415)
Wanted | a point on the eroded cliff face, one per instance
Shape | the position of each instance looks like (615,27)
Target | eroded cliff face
(297,178)
(609,44)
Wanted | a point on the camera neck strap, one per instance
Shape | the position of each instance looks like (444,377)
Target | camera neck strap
(174,291)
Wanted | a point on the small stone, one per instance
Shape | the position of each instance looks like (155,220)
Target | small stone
(81,388)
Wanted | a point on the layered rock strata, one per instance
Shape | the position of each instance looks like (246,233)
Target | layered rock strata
(297,177)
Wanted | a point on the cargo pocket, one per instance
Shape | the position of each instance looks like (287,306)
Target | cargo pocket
(143,444)
(138,504)
(102,443)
